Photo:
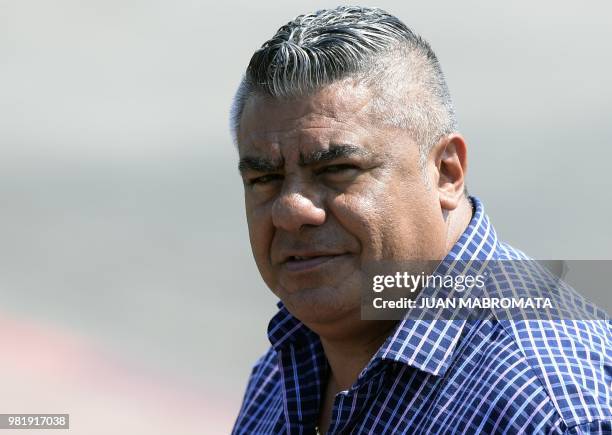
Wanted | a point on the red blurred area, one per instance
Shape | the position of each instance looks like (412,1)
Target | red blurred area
(45,369)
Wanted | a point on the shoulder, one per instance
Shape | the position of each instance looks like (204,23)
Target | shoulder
(262,402)
(569,352)
(571,361)
(264,368)
(513,374)
(264,379)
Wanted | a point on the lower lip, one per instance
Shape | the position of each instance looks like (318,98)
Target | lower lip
(310,264)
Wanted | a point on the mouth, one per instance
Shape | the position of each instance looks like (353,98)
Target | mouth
(303,263)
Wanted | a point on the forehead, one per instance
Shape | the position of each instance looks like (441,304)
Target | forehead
(337,113)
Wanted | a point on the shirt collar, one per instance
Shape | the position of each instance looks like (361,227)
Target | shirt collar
(424,344)
(284,329)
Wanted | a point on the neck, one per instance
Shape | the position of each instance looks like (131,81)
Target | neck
(348,357)
(457,221)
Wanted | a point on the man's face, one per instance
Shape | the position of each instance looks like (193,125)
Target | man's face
(329,190)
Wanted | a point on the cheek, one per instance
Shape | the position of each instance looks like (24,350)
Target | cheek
(417,227)
(261,232)
(389,221)
(363,218)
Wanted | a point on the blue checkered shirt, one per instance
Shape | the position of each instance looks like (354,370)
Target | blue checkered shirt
(443,376)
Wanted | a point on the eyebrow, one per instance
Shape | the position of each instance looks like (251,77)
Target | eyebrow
(336,151)
(259,164)
(332,153)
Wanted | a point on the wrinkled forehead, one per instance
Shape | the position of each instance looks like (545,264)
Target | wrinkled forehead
(336,114)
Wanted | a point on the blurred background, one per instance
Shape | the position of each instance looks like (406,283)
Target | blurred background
(129,297)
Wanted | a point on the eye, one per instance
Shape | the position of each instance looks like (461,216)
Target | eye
(264,179)
(334,169)
(344,169)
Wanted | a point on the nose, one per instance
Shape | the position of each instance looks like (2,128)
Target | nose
(294,209)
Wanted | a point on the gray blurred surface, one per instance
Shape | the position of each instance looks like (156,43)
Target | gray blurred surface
(122,216)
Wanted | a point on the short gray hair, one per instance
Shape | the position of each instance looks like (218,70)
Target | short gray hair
(366,44)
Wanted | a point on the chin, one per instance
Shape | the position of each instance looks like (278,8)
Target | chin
(321,304)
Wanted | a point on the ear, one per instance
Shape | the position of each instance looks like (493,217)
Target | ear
(450,160)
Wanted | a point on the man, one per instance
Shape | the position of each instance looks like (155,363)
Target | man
(350,156)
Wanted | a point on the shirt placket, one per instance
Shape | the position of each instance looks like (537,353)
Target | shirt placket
(303,370)
(351,405)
